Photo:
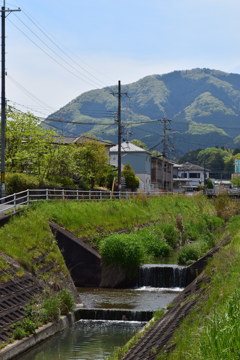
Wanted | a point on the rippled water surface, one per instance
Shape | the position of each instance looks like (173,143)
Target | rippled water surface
(87,340)
(144,298)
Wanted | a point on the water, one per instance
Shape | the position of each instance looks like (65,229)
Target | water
(144,298)
(94,339)
(162,275)
(87,340)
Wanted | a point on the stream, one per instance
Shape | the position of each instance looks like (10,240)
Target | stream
(97,339)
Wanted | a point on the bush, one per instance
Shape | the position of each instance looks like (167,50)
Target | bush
(170,233)
(51,308)
(190,253)
(16,182)
(153,242)
(19,333)
(124,250)
(132,181)
(66,301)
(214,222)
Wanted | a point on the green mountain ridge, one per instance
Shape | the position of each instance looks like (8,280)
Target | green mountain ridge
(203,106)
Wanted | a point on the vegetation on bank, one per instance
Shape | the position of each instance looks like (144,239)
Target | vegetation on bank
(211,331)
(42,311)
(174,221)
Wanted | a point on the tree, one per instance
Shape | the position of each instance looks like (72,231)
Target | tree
(132,181)
(215,159)
(27,143)
(91,162)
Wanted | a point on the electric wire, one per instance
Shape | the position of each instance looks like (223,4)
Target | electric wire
(56,54)
(50,56)
(30,95)
(60,48)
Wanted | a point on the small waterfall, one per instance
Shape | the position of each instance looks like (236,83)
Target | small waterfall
(113,314)
(162,276)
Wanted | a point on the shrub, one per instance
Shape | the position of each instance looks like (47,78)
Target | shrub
(16,182)
(124,250)
(190,253)
(225,207)
(29,326)
(66,301)
(214,222)
(171,234)
(19,333)
(132,182)
(51,308)
(153,242)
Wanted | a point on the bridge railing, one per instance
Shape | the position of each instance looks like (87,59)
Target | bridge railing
(15,201)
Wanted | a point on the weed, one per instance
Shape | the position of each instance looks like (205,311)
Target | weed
(66,301)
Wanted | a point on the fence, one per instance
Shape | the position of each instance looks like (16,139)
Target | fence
(23,198)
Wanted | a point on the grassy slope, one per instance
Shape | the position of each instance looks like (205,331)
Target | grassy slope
(210,331)
(28,235)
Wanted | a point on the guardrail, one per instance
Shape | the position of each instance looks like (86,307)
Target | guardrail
(23,198)
(231,192)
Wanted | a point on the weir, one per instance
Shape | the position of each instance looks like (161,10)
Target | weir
(162,276)
(113,314)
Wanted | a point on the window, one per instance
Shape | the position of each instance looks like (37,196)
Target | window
(194,175)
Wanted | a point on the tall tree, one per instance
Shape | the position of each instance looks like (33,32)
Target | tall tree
(27,143)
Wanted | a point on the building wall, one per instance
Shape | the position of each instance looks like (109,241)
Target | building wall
(140,163)
(195,178)
(162,174)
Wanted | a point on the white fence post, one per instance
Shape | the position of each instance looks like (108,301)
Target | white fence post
(28,196)
(14,202)
(47,198)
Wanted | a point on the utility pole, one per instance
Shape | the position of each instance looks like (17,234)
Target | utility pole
(165,147)
(119,122)
(4,13)
(119,136)
(165,141)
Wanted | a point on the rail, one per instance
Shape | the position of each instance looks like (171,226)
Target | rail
(12,203)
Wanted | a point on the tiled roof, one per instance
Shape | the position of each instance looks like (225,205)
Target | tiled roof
(191,167)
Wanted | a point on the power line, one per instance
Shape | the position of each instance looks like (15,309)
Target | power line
(30,95)
(27,107)
(60,48)
(59,56)
(50,56)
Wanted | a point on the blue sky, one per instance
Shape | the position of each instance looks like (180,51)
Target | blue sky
(103,41)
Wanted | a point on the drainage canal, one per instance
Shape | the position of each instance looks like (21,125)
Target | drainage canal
(97,334)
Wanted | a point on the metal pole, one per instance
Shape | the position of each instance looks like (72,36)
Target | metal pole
(3,97)
(119,136)
(3,107)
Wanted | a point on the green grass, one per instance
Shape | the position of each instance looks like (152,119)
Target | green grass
(28,235)
(211,331)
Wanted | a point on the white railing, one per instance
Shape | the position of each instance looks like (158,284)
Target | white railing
(15,201)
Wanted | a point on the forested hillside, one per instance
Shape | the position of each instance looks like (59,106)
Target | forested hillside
(203,106)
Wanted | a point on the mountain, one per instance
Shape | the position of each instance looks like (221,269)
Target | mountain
(202,104)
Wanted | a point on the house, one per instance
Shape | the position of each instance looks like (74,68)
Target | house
(138,158)
(161,174)
(189,176)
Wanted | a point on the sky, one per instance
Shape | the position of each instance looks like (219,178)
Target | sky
(56,49)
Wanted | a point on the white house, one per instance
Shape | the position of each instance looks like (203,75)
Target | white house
(189,175)
(138,158)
